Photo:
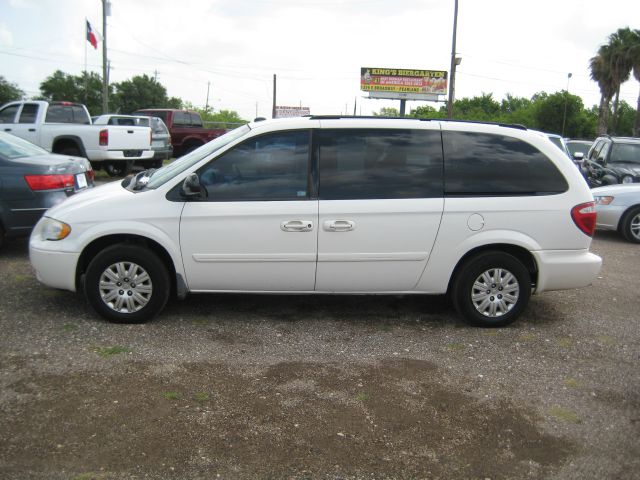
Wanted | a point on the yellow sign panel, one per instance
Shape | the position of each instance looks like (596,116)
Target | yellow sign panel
(403,80)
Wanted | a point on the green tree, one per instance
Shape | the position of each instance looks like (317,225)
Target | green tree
(482,108)
(222,118)
(427,111)
(9,91)
(625,121)
(387,112)
(620,64)
(600,66)
(85,88)
(633,46)
(550,111)
(143,92)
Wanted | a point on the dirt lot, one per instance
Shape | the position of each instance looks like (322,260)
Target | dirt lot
(321,387)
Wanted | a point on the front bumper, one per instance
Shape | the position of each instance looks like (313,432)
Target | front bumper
(54,269)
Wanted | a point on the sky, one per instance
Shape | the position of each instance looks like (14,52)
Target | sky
(315,47)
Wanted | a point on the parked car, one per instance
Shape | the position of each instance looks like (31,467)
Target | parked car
(65,127)
(33,180)
(160,138)
(578,150)
(618,208)
(613,160)
(559,142)
(186,128)
(488,213)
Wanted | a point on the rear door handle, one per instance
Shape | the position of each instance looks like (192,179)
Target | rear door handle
(32,129)
(7,129)
(339,225)
(297,226)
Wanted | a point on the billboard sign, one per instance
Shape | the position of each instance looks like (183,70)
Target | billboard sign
(287,112)
(395,81)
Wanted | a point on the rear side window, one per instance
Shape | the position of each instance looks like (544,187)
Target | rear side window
(379,164)
(196,121)
(494,165)
(67,114)
(180,118)
(29,113)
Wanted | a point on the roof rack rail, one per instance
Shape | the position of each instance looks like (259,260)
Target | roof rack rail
(369,117)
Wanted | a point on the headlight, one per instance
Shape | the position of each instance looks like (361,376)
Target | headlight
(53,229)
(603,200)
(627,179)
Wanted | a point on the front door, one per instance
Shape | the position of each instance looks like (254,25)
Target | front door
(257,228)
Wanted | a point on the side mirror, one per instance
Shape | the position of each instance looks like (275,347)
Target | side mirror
(578,156)
(191,187)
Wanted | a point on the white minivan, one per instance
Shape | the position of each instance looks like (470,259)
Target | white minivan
(325,204)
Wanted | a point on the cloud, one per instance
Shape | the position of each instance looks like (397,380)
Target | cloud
(6,38)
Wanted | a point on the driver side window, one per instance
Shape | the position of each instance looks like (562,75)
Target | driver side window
(267,168)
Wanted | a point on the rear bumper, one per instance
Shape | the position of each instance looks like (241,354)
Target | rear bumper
(564,269)
(110,155)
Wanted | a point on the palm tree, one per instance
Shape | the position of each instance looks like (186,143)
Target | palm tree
(600,66)
(634,54)
(620,64)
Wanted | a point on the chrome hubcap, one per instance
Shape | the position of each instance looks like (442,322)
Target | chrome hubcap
(495,292)
(125,287)
(635,226)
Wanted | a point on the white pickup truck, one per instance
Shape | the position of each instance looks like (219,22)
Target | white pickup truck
(65,127)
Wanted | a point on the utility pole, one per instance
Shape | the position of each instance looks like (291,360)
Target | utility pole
(566,95)
(452,79)
(106,11)
(206,105)
(273,111)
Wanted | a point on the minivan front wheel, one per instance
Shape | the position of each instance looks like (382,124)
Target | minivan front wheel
(127,284)
(491,289)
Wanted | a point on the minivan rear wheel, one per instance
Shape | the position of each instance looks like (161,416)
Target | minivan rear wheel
(127,284)
(491,289)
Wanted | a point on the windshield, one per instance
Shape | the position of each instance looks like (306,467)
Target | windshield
(170,171)
(14,147)
(625,152)
(579,147)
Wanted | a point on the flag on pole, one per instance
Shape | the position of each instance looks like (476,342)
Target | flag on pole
(91,37)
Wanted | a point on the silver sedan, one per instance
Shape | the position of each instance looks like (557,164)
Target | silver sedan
(618,208)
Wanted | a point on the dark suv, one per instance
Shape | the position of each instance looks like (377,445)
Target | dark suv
(613,160)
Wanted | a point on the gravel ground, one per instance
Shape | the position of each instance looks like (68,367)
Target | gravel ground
(231,386)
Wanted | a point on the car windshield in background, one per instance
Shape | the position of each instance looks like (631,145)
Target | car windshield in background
(625,152)
(13,147)
(176,168)
(578,147)
(556,141)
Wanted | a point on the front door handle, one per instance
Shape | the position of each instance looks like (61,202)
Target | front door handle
(339,225)
(297,226)
(7,129)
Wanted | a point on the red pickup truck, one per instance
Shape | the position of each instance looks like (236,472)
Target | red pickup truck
(185,126)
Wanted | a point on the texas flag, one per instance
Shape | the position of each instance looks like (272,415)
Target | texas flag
(91,37)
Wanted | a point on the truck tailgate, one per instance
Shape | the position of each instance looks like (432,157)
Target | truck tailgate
(129,138)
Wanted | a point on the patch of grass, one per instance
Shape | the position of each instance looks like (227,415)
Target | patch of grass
(69,327)
(572,383)
(564,414)
(456,347)
(527,337)
(19,278)
(564,342)
(606,340)
(200,321)
(490,333)
(384,327)
(362,397)
(106,352)
(201,397)
(172,395)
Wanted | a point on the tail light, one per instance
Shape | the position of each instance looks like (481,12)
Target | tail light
(104,137)
(49,182)
(584,216)
(91,174)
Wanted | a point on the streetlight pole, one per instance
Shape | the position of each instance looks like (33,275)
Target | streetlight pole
(452,79)
(566,97)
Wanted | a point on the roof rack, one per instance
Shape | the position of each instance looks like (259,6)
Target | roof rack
(353,117)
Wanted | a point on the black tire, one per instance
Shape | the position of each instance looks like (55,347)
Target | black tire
(190,147)
(157,163)
(144,300)
(630,225)
(119,168)
(71,151)
(505,298)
